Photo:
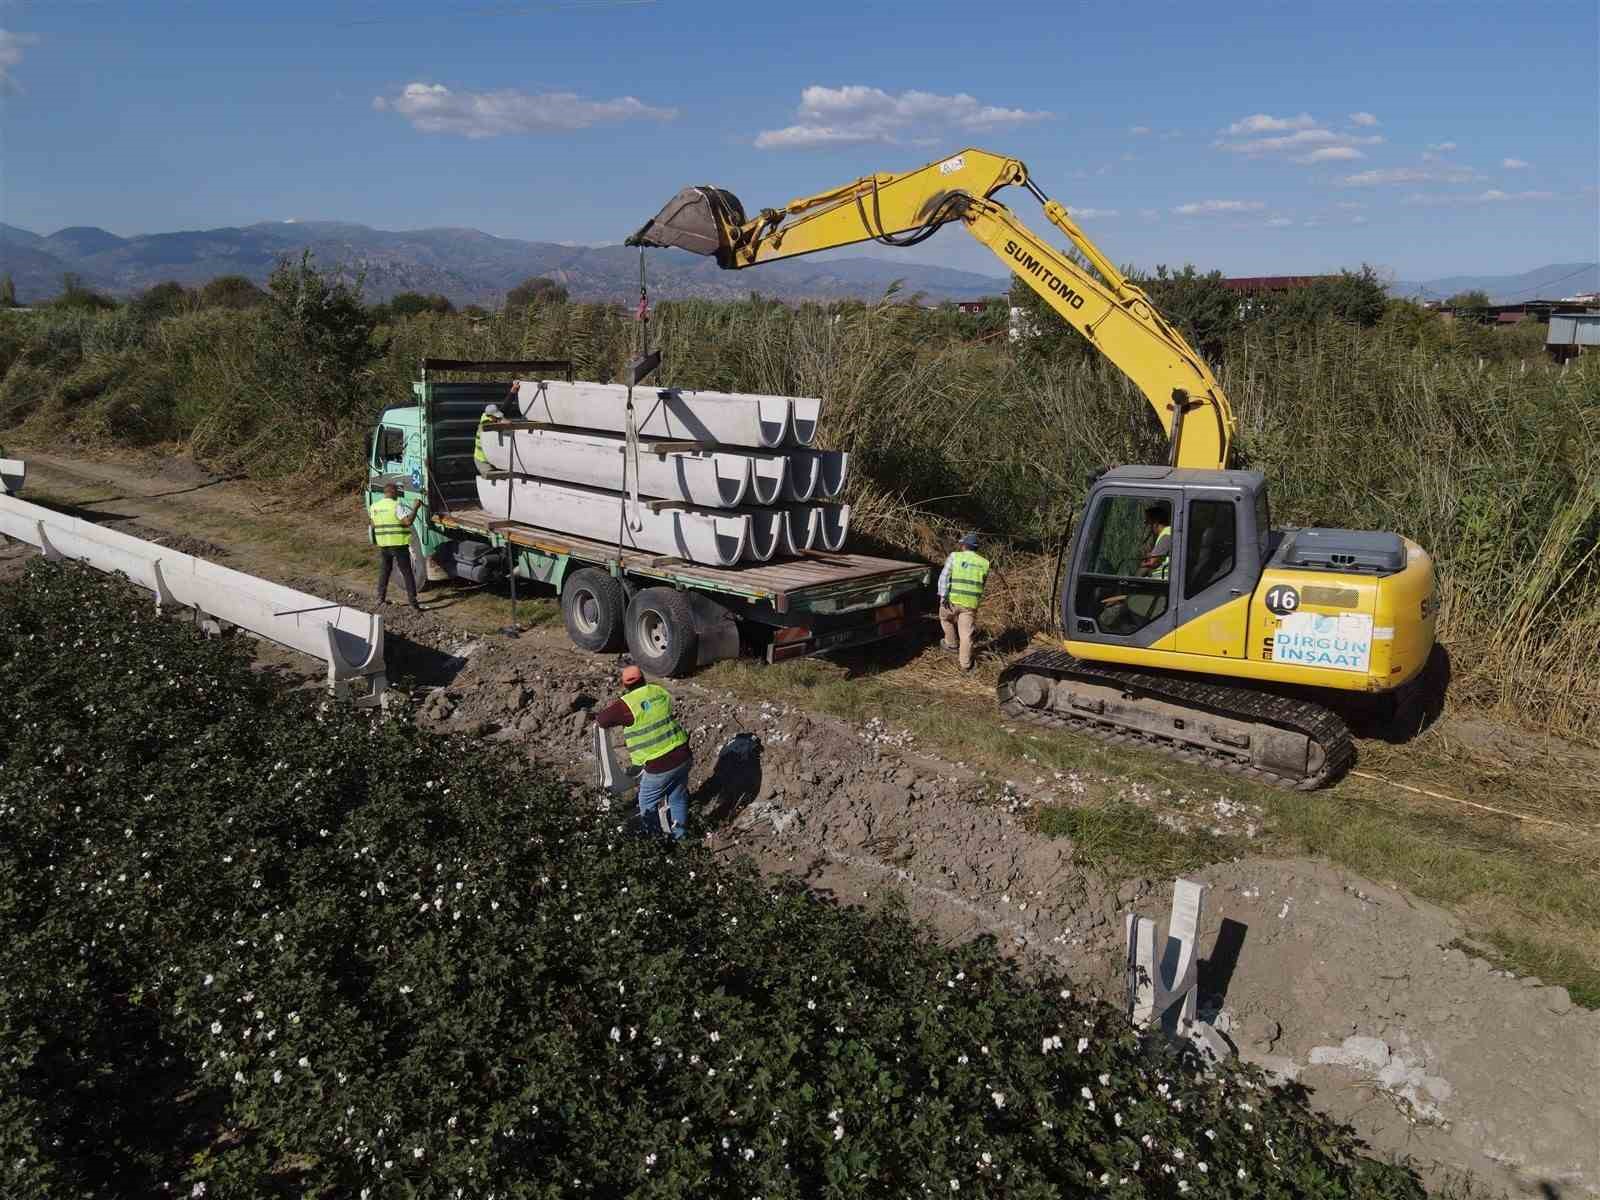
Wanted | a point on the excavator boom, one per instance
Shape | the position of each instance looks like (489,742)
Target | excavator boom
(904,209)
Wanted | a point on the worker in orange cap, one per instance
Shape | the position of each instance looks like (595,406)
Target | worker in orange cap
(657,743)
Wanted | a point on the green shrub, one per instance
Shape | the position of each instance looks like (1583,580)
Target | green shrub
(257,945)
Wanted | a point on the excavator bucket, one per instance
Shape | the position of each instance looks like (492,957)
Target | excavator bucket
(701,220)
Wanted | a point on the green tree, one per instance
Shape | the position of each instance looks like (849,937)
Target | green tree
(535,292)
(409,304)
(163,300)
(231,291)
(315,357)
(1472,298)
(1354,297)
(77,294)
(8,292)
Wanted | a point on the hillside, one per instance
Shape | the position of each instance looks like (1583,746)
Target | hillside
(466,265)
(1543,283)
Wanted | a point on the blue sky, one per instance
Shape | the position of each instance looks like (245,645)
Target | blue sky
(1426,138)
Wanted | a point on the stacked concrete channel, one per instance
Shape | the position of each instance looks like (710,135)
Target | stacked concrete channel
(715,478)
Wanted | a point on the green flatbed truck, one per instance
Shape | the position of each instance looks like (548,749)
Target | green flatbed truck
(672,615)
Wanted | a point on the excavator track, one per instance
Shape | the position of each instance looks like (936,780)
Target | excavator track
(1276,739)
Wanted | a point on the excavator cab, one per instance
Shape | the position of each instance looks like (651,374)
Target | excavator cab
(1157,549)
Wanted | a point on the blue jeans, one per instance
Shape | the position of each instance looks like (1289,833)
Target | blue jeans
(670,788)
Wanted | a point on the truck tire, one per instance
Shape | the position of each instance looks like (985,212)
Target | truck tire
(592,606)
(661,633)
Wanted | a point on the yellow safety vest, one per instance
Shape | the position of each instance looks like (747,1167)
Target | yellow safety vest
(386,528)
(968,570)
(1164,563)
(655,731)
(477,439)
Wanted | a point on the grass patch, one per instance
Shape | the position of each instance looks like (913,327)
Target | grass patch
(1124,840)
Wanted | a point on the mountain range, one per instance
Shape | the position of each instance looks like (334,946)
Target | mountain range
(467,266)
(1554,282)
(471,267)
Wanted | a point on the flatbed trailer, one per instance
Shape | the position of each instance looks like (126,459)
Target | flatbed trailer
(671,614)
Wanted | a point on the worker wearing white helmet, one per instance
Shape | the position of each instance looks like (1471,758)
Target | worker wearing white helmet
(479,458)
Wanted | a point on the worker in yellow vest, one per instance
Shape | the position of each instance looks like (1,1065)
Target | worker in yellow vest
(960,593)
(1158,561)
(479,458)
(391,531)
(657,743)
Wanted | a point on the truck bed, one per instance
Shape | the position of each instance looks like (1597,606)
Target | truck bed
(787,584)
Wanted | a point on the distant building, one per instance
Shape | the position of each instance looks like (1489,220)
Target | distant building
(1509,314)
(1572,334)
(1268,285)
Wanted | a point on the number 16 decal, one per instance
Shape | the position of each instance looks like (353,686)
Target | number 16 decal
(1282,599)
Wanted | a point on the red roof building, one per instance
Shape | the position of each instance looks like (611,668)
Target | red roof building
(1256,285)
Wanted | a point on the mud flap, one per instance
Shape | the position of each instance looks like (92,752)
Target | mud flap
(717,631)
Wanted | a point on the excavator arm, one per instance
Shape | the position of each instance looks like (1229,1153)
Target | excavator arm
(902,210)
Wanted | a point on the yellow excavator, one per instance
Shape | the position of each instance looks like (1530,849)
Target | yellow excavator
(1189,624)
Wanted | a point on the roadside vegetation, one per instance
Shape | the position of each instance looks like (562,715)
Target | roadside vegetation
(252,946)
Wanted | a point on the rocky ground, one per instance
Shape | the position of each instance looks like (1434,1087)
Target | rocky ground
(1352,990)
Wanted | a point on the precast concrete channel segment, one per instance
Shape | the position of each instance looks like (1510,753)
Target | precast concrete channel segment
(1351,987)
(712,418)
(719,478)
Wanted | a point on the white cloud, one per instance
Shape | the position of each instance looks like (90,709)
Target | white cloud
(1302,137)
(434,108)
(1435,149)
(1350,204)
(1149,214)
(1363,118)
(1279,222)
(1514,164)
(1262,123)
(1139,130)
(1495,196)
(1491,196)
(11,48)
(855,113)
(1331,154)
(1212,207)
(1438,174)
(1091,214)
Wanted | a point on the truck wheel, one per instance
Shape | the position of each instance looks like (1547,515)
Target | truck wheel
(661,633)
(592,605)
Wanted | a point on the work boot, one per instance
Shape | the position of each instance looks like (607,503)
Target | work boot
(415,607)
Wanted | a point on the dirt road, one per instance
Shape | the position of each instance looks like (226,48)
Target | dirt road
(1348,987)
